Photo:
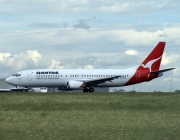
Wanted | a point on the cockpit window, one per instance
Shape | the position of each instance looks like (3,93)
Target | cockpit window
(16,74)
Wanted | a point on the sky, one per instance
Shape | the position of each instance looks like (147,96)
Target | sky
(90,34)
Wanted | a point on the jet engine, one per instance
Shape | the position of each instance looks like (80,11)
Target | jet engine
(75,85)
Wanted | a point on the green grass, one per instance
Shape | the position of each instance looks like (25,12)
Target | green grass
(80,116)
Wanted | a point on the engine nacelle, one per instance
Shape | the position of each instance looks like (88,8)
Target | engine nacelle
(75,85)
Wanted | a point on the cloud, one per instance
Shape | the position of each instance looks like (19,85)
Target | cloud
(34,56)
(163,35)
(140,7)
(4,56)
(122,7)
(131,52)
(170,79)
(43,25)
(177,71)
(55,65)
(141,26)
(16,62)
(63,6)
(89,67)
(170,58)
(11,63)
(83,24)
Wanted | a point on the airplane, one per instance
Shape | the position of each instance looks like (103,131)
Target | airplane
(87,79)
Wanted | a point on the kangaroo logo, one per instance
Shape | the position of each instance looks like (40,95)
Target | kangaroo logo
(82,86)
(149,64)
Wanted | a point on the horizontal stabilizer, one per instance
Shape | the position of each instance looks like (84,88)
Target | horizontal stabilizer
(161,71)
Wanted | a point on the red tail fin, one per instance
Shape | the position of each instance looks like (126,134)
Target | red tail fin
(153,60)
(149,65)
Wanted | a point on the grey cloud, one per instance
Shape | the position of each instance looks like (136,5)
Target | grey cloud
(43,25)
(83,24)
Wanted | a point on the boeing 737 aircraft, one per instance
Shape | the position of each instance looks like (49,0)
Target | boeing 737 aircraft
(85,79)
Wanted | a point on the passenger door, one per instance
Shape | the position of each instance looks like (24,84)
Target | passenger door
(29,75)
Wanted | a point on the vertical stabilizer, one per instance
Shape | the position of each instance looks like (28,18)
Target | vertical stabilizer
(153,60)
(150,64)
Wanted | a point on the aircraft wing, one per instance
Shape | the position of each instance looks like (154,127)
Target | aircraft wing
(99,81)
(161,71)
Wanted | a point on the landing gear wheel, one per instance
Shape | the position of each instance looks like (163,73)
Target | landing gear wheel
(91,89)
(85,90)
(30,90)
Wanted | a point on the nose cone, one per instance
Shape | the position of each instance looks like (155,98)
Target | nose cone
(8,80)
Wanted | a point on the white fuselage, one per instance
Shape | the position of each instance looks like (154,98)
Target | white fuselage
(60,77)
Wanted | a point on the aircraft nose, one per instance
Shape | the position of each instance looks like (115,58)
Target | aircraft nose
(8,80)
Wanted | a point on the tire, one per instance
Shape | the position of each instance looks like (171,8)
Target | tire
(91,89)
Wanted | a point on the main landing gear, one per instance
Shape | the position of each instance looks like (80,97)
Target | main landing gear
(88,90)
